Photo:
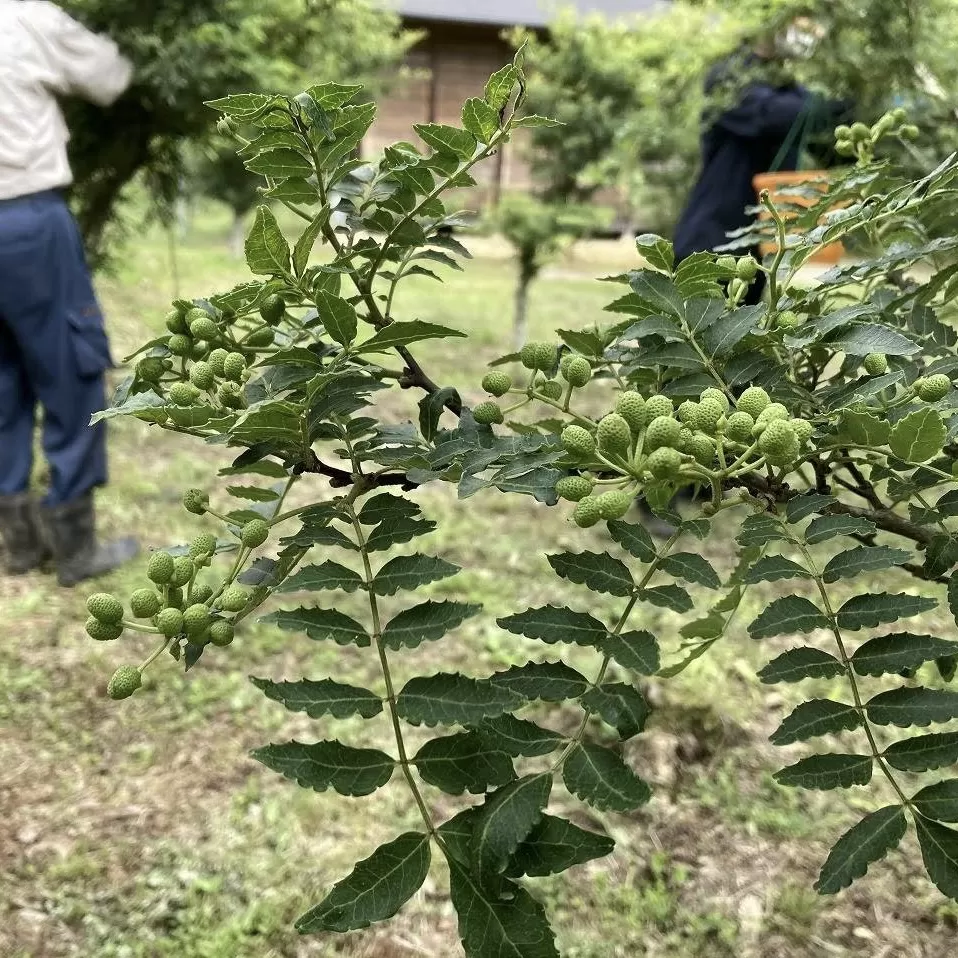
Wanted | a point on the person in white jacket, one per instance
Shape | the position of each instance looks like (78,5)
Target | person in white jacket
(53,346)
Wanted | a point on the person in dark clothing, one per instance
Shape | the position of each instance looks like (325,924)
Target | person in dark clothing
(756,107)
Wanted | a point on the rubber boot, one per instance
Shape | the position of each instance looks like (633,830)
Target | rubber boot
(72,531)
(21,533)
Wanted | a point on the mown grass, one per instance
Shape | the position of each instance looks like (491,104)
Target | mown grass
(143,830)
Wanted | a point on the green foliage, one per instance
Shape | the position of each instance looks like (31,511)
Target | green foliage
(865,488)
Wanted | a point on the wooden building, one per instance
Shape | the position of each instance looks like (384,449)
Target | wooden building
(462,45)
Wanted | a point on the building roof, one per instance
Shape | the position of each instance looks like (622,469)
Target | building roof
(527,13)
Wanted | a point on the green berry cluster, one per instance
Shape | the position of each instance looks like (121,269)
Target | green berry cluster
(859,140)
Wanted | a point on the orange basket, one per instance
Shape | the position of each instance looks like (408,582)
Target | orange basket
(813,179)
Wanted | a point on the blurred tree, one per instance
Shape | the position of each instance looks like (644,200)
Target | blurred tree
(189,51)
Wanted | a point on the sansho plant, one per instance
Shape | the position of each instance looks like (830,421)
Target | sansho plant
(821,425)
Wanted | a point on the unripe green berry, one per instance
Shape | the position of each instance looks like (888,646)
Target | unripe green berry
(201,593)
(196,501)
(150,369)
(170,622)
(860,133)
(204,328)
(578,442)
(843,132)
(631,407)
(231,395)
(573,488)
(196,619)
(105,607)
(174,598)
(202,375)
(738,427)
(576,370)
(663,431)
(550,389)
(709,413)
(126,680)
(788,320)
(183,570)
(771,412)
(685,437)
(587,512)
(802,428)
(688,411)
(658,405)
(216,359)
(488,413)
(176,322)
(727,263)
(746,269)
(777,442)
(613,434)
(234,599)
(910,132)
(145,603)
(664,463)
(702,449)
(845,148)
(184,394)
(528,355)
(876,364)
(199,351)
(753,401)
(933,388)
(221,633)
(160,568)
(273,309)
(547,355)
(234,365)
(261,338)
(103,631)
(203,545)
(180,345)
(613,504)
(497,384)
(254,533)
(716,395)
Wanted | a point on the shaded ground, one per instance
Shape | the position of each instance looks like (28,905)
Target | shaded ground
(143,830)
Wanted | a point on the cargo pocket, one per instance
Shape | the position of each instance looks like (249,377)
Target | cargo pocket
(90,344)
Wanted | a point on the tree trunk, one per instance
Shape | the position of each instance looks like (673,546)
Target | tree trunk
(238,235)
(520,325)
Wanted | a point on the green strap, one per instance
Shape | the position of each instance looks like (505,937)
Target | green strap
(801,130)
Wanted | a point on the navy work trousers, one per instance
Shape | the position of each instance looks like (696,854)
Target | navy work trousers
(53,350)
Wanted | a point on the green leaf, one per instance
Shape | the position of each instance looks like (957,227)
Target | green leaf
(242,104)
(787,615)
(556,624)
(453,699)
(534,120)
(463,762)
(636,651)
(759,530)
(827,771)
(600,777)
(598,571)
(634,539)
(801,507)
(375,889)
(918,437)
(898,651)
(828,527)
(548,681)
(267,252)
(692,568)
(397,530)
(332,96)
(329,575)
(656,251)
(387,506)
(862,429)
(864,338)
(320,624)
(252,493)
(817,717)
(508,924)
(402,334)
(671,596)
(939,851)
(619,705)
(721,338)
(500,85)
(447,139)
(411,572)
(427,622)
(506,820)
(480,119)
(323,697)
(862,845)
(864,559)
(518,737)
(338,316)
(555,845)
(802,663)
(923,753)
(869,610)
(774,568)
(938,801)
(322,765)
(905,707)
(306,242)
(280,164)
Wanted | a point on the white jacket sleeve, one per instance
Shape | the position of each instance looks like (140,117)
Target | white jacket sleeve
(81,63)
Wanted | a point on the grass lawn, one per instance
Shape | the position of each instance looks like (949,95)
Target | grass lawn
(142,829)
